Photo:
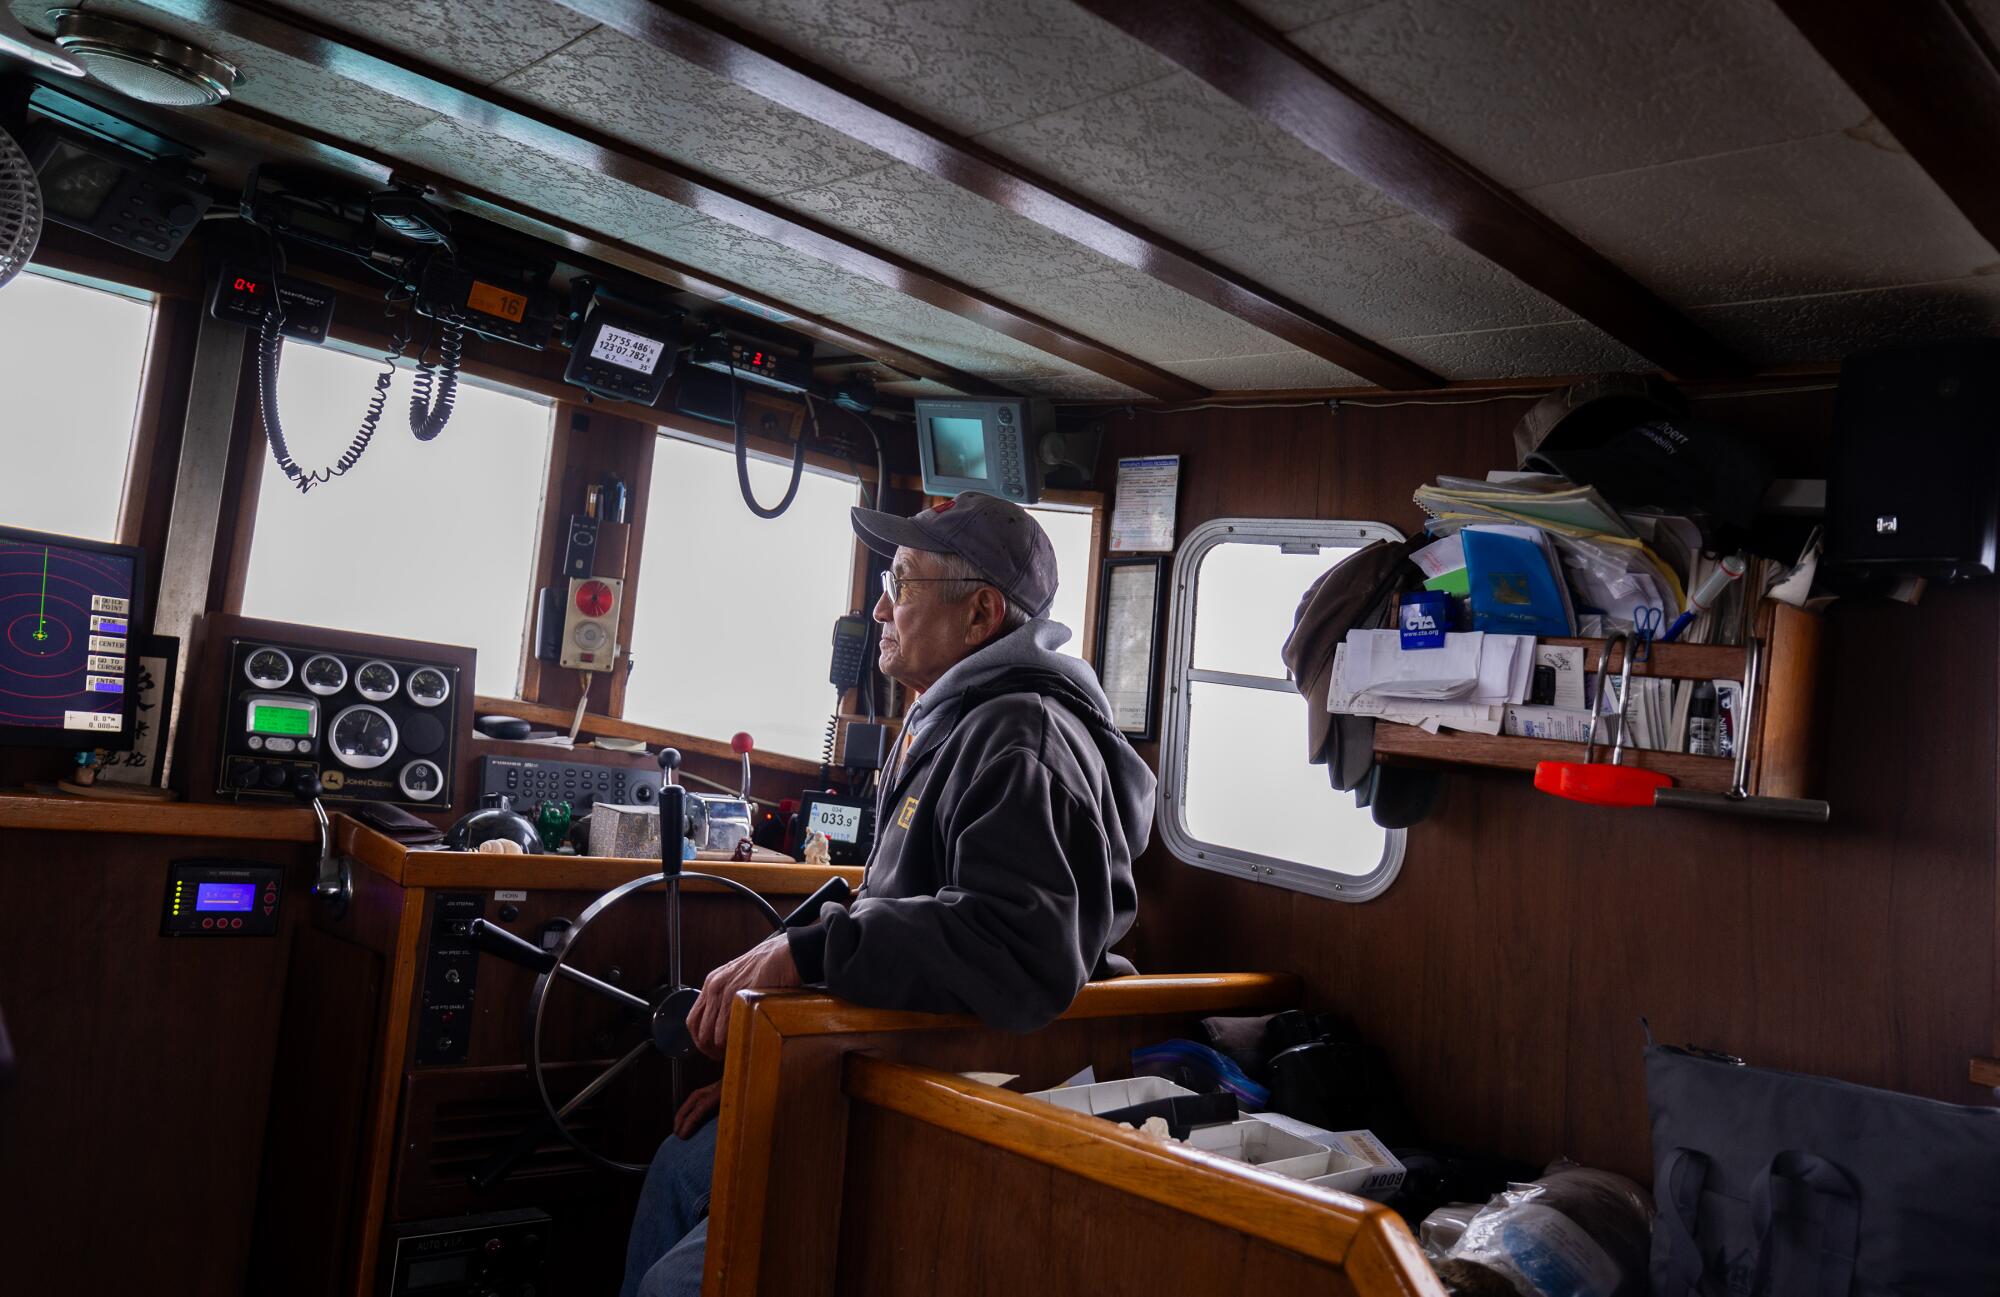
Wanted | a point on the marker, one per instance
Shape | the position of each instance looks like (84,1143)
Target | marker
(1729,569)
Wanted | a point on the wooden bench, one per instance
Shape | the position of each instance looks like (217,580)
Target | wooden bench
(852,1159)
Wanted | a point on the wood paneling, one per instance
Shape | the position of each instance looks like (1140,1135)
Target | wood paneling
(276,824)
(1506,969)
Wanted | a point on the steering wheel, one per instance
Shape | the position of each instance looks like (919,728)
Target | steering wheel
(665,1013)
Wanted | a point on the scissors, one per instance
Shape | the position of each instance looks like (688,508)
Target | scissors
(1647,619)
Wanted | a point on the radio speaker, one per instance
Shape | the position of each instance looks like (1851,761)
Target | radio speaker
(1915,481)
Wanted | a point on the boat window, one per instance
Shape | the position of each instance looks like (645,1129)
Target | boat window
(71,360)
(732,623)
(431,541)
(1238,794)
(1072,531)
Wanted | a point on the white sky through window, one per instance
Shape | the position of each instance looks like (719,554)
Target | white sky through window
(1069,532)
(431,541)
(70,363)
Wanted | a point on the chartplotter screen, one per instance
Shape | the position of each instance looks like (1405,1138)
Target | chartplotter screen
(67,643)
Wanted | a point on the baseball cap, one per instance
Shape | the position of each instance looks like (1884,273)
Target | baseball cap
(1001,540)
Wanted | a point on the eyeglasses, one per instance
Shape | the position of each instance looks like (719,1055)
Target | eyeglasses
(894,586)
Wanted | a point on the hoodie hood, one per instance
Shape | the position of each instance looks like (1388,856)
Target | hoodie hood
(1025,660)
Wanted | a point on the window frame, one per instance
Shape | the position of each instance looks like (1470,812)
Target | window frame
(1173,753)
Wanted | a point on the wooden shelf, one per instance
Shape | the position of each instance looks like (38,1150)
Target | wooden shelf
(1782,728)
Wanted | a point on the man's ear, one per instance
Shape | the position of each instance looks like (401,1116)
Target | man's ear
(989,610)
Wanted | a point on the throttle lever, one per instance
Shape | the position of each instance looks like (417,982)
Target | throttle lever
(334,885)
(502,944)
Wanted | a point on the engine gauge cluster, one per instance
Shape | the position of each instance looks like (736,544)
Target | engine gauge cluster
(371,727)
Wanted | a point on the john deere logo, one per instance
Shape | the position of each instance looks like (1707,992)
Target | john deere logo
(333,780)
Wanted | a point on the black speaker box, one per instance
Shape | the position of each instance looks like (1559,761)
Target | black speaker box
(1915,481)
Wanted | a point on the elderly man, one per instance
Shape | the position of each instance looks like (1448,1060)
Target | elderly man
(1005,832)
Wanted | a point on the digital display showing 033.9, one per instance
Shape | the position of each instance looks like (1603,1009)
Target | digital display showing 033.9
(839,823)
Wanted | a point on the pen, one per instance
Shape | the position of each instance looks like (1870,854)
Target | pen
(1729,569)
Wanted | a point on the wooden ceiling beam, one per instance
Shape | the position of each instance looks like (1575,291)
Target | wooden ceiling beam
(495,113)
(695,36)
(1255,65)
(1929,72)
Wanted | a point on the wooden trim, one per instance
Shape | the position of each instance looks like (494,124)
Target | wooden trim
(1386,1259)
(795,83)
(1986,1071)
(1926,69)
(1322,1224)
(1786,756)
(387,72)
(639,493)
(1670,661)
(152,819)
(370,849)
(751,1077)
(1507,752)
(1255,65)
(379,1157)
(161,371)
(809,1013)
(528,673)
(595,723)
(473,869)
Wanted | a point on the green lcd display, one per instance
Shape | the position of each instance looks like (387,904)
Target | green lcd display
(268,719)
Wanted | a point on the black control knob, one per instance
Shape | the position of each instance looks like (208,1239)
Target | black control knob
(670,760)
(306,787)
(243,774)
(276,777)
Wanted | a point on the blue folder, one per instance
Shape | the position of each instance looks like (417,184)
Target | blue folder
(1514,592)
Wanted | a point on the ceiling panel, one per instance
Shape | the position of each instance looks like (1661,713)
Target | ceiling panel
(676,110)
(539,181)
(937,224)
(1067,387)
(1842,211)
(771,271)
(957,342)
(970,65)
(1290,15)
(1138,315)
(285,88)
(1572,347)
(480,39)
(1391,278)
(1557,89)
(1189,163)
(1799,330)
(1271,371)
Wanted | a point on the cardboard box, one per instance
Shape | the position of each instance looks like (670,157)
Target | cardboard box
(1109,1096)
(1364,1165)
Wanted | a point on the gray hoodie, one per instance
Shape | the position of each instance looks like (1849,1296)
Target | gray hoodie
(1002,868)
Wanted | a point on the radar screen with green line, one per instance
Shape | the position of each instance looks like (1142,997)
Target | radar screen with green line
(68,651)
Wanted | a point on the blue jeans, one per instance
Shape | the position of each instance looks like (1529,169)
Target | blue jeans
(670,1230)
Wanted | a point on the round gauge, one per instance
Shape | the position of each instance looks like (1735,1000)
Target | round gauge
(268,668)
(594,598)
(420,780)
(588,635)
(363,737)
(428,687)
(324,674)
(376,681)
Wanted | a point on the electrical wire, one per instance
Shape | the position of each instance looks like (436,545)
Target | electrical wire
(743,456)
(428,417)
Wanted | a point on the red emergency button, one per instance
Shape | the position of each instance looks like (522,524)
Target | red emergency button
(208,923)
(236,923)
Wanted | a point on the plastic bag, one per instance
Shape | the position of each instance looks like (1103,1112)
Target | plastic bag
(1573,1233)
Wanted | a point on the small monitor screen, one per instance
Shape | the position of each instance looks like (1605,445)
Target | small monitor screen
(267,718)
(236,897)
(75,184)
(839,823)
(435,1272)
(627,350)
(67,610)
(958,446)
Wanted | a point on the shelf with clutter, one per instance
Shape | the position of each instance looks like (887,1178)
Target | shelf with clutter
(1500,637)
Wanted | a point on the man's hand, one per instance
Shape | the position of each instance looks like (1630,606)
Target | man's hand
(763,967)
(698,1108)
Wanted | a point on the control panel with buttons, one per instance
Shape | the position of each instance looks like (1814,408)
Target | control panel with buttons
(529,783)
(221,898)
(451,974)
(499,1254)
(95,186)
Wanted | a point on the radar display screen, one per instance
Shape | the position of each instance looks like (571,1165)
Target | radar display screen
(67,640)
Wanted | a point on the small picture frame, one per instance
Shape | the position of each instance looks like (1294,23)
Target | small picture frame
(1131,610)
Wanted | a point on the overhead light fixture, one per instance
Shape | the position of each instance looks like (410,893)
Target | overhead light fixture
(143,64)
(21,43)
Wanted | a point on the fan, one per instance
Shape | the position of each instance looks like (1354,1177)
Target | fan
(1069,459)
(20,209)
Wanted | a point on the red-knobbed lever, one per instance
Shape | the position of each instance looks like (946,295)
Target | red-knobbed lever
(743,745)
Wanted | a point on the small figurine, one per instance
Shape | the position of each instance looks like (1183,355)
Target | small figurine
(744,852)
(818,851)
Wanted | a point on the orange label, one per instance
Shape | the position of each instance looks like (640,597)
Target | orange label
(496,301)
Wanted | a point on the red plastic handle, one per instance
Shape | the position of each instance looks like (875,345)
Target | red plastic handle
(742,744)
(1599,784)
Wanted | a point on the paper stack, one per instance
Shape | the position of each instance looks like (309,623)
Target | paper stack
(1466,685)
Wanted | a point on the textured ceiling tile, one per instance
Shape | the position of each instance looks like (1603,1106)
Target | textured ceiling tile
(1842,211)
(942,226)
(1287,369)
(969,65)
(1572,347)
(1556,89)
(1290,15)
(1069,387)
(772,272)
(1140,316)
(1391,278)
(481,39)
(1189,163)
(1799,330)
(957,342)
(538,181)
(285,88)
(676,110)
